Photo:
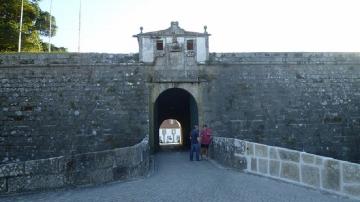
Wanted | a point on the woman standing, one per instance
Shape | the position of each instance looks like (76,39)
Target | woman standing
(205,141)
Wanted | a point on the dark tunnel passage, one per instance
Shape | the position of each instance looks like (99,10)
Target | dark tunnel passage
(175,103)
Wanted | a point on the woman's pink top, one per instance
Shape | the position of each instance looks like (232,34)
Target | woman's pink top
(205,136)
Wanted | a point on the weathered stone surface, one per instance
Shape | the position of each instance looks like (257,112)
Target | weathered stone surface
(223,151)
(80,169)
(310,175)
(11,169)
(101,176)
(352,190)
(84,161)
(307,158)
(250,149)
(137,156)
(330,174)
(38,182)
(261,150)
(3,187)
(240,146)
(103,92)
(123,156)
(254,164)
(56,109)
(318,160)
(270,109)
(351,172)
(290,171)
(76,104)
(239,162)
(273,154)
(42,166)
(289,155)
(105,159)
(82,177)
(274,168)
(263,166)
(121,173)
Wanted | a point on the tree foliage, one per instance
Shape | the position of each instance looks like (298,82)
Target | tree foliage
(35,24)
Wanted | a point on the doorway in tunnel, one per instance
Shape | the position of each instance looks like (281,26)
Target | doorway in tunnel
(177,104)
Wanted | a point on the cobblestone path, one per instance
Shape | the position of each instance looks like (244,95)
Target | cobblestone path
(175,178)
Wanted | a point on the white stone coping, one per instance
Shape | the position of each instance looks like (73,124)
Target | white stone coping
(323,173)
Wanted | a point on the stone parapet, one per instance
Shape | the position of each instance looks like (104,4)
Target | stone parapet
(285,58)
(319,172)
(80,169)
(68,59)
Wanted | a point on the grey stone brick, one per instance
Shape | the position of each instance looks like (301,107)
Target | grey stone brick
(308,158)
(38,182)
(331,175)
(310,175)
(351,172)
(273,154)
(274,168)
(42,166)
(318,160)
(263,166)
(290,171)
(261,150)
(101,176)
(254,164)
(353,190)
(289,155)
(239,162)
(250,149)
(105,159)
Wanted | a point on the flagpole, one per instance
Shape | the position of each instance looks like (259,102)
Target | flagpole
(50,26)
(21,19)
(79,27)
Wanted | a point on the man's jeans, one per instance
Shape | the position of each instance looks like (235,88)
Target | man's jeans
(195,148)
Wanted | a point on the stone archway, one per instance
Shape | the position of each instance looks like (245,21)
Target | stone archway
(174,103)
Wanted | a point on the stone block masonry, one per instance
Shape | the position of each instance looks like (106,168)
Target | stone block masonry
(80,169)
(302,101)
(55,106)
(65,104)
(319,172)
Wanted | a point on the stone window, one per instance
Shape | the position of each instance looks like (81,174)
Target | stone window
(159,45)
(190,44)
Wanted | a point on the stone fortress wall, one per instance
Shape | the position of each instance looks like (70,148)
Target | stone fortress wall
(77,106)
(303,101)
(71,119)
(64,104)
(262,104)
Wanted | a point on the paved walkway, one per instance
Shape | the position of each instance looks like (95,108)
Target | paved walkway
(175,178)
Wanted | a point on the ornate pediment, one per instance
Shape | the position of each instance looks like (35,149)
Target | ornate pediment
(174,29)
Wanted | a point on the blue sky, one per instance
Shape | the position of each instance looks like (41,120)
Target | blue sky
(234,25)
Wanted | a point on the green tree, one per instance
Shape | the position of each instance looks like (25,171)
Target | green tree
(35,24)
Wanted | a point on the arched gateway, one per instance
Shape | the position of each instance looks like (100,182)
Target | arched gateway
(174,103)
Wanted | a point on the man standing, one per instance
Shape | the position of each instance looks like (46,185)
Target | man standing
(194,135)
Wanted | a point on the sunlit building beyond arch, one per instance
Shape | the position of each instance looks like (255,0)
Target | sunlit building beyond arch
(170,132)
